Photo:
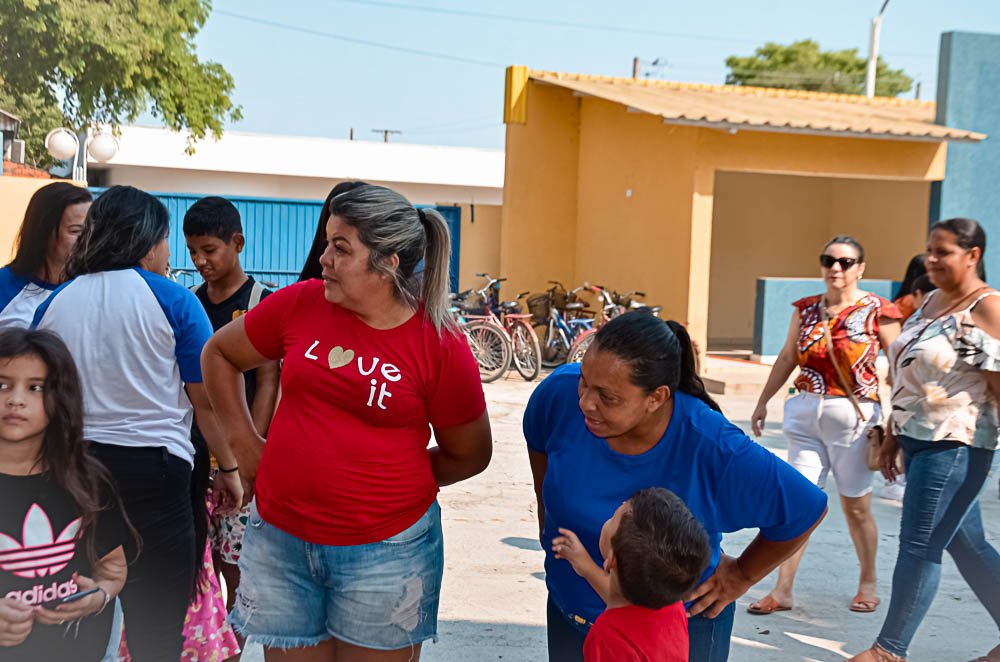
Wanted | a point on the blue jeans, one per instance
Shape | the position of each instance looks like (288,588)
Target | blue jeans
(940,512)
(708,638)
(382,595)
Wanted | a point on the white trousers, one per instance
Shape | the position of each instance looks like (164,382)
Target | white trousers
(825,433)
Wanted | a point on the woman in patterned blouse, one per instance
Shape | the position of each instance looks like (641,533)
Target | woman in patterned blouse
(826,424)
(946,371)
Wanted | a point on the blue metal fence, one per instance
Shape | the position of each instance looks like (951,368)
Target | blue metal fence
(278,232)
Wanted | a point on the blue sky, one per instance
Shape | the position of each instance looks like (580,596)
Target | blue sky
(299,83)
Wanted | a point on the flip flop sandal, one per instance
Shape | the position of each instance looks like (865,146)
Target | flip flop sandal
(862,606)
(766,605)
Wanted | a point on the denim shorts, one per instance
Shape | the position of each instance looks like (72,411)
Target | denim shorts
(382,595)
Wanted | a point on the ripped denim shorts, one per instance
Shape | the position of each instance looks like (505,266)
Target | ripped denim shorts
(382,595)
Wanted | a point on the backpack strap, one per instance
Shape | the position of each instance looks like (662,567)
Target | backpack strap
(256,292)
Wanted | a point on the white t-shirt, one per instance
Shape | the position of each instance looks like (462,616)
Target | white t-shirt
(19,297)
(136,338)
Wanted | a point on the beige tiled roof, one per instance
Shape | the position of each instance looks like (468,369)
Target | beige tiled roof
(767,109)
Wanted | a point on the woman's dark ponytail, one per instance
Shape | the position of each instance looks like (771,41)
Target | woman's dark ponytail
(660,353)
(690,382)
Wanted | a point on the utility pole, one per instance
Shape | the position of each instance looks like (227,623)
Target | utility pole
(873,40)
(352,133)
(635,67)
(385,133)
(918,91)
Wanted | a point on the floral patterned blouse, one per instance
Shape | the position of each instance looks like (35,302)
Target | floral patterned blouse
(855,339)
(940,392)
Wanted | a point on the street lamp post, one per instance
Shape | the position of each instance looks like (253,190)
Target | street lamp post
(63,145)
(874,36)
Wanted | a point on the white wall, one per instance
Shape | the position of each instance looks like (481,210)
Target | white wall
(174,180)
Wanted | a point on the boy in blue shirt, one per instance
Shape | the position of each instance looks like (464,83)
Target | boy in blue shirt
(654,553)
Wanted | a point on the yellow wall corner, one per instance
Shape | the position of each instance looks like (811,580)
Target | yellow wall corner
(515,107)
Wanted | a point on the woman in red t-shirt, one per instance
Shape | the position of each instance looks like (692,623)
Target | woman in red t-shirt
(826,424)
(343,555)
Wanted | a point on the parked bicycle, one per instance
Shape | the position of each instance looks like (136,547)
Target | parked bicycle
(609,310)
(499,332)
(558,319)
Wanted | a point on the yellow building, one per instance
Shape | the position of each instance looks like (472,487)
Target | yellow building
(692,192)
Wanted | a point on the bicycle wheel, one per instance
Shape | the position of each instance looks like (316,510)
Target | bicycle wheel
(553,352)
(580,346)
(491,347)
(527,353)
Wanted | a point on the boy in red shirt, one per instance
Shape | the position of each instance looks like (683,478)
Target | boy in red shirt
(654,553)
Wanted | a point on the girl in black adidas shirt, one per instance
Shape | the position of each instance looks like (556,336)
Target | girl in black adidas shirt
(61,528)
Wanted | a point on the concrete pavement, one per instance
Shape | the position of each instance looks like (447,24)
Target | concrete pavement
(493,599)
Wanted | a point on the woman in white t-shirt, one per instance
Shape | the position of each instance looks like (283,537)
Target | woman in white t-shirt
(136,337)
(52,222)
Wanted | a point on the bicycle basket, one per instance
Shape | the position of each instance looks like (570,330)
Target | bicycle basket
(539,306)
(622,300)
(472,304)
(557,297)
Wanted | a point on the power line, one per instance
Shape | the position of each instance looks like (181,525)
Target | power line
(571,24)
(362,42)
(545,21)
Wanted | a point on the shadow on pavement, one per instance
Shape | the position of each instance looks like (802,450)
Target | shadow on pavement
(523,543)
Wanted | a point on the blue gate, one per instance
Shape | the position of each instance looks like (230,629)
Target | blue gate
(279,234)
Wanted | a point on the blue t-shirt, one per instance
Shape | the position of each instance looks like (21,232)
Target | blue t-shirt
(136,338)
(19,297)
(728,481)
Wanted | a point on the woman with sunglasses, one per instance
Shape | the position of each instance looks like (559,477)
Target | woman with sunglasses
(826,424)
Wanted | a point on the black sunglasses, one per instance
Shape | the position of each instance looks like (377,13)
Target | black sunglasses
(827,261)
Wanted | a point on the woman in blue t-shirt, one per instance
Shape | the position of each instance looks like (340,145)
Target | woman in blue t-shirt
(52,222)
(635,414)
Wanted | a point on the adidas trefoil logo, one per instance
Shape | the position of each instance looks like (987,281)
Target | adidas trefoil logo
(39,554)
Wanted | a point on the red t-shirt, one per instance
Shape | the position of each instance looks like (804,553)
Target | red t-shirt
(638,634)
(346,460)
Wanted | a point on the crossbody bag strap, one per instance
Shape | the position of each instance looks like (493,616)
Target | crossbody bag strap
(836,365)
(912,341)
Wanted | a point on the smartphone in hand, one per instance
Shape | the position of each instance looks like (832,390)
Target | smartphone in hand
(52,604)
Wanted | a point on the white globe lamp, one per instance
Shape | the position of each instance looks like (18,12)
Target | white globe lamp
(103,147)
(62,144)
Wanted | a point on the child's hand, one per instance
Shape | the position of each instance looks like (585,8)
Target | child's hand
(73,611)
(568,546)
(229,486)
(16,620)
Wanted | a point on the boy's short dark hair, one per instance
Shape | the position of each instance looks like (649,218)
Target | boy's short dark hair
(924,285)
(660,548)
(213,217)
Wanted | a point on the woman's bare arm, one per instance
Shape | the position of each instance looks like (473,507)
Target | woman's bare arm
(780,372)
(227,355)
(462,451)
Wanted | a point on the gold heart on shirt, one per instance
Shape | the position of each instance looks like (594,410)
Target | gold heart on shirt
(339,357)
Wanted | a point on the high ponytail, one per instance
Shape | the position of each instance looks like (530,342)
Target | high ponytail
(437,258)
(690,381)
(660,353)
(388,225)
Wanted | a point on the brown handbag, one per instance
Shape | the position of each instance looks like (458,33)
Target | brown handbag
(875,435)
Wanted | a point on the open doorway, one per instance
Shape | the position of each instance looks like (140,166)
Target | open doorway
(766,225)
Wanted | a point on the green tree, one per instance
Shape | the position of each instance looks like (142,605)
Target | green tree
(79,62)
(803,66)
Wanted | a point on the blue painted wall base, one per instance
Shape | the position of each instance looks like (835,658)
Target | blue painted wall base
(773,311)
